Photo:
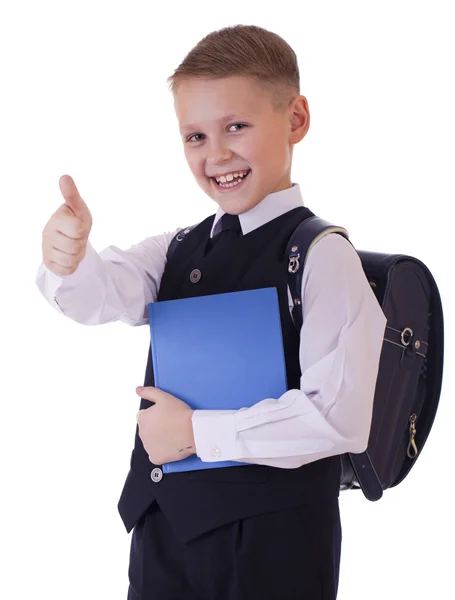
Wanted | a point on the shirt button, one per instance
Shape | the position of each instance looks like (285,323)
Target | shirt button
(195,275)
(216,452)
(156,475)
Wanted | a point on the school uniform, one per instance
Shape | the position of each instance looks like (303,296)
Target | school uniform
(270,529)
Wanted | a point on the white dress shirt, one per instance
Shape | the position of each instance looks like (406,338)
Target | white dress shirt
(341,341)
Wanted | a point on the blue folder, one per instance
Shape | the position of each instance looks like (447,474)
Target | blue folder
(223,351)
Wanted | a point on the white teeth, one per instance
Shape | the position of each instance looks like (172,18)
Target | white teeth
(234,183)
(230,176)
(226,185)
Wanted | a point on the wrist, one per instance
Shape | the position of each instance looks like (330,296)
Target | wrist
(191,433)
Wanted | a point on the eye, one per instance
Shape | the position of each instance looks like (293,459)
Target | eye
(237,125)
(194,135)
(201,136)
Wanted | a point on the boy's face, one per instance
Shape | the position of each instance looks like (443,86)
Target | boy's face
(229,125)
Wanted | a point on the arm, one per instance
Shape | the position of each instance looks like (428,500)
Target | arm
(341,341)
(112,285)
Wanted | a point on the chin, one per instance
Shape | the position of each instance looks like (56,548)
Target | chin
(232,204)
(237,207)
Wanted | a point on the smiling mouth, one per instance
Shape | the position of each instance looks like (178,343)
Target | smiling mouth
(231,184)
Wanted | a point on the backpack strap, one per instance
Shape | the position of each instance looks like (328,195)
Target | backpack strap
(305,236)
(178,237)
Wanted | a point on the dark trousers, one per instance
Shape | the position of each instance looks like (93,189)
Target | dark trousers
(291,554)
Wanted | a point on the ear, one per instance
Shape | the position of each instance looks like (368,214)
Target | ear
(299,119)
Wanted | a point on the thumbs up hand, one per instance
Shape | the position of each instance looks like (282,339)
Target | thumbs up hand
(66,233)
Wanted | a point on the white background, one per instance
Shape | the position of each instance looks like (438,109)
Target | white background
(84,92)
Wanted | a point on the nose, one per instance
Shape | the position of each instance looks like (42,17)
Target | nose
(218,153)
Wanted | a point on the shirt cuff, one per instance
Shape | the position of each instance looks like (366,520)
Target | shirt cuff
(215,435)
(53,282)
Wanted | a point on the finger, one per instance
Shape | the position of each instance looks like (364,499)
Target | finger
(63,259)
(66,244)
(65,222)
(69,191)
(59,270)
(72,197)
(62,251)
(148,393)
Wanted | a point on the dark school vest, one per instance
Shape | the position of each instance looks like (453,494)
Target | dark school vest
(197,501)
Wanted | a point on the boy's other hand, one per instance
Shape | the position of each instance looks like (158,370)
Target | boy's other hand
(66,233)
(166,429)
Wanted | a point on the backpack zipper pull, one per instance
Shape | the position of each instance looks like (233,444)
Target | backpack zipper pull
(412,432)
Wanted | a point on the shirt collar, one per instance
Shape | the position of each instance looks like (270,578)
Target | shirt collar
(272,206)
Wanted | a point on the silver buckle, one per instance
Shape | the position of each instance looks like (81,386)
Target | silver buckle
(410,333)
(294,262)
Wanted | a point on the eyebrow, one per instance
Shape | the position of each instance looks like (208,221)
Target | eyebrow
(232,116)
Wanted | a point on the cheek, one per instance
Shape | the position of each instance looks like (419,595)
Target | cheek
(249,149)
(274,149)
(261,147)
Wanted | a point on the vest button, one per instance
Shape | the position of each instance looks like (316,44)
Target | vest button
(216,452)
(195,276)
(156,475)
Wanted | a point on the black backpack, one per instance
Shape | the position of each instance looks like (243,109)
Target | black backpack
(409,380)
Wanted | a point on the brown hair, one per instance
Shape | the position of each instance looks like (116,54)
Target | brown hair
(245,50)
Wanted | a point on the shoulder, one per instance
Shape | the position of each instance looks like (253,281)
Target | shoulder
(334,264)
(333,249)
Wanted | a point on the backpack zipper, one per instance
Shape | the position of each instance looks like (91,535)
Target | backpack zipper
(412,433)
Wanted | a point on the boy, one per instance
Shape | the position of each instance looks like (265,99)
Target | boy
(270,530)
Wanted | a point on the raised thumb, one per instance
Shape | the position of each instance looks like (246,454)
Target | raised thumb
(73,199)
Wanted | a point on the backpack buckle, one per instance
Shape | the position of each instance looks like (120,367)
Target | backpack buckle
(406,336)
(182,234)
(294,262)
